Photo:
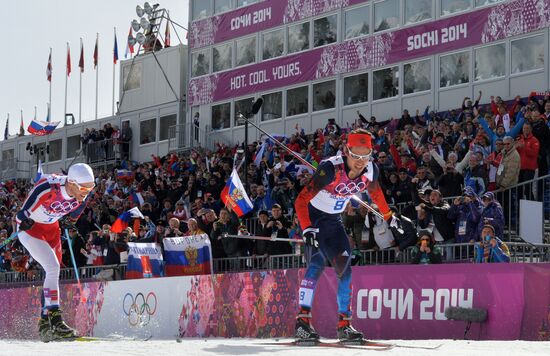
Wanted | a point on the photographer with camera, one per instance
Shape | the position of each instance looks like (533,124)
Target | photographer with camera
(228,223)
(491,249)
(426,251)
(279,226)
(465,212)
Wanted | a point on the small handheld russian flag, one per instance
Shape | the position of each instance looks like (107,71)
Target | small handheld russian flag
(234,195)
(123,220)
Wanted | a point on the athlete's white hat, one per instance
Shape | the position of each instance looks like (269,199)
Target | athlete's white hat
(81,173)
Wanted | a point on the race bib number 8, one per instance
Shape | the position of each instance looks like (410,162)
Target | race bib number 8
(339,205)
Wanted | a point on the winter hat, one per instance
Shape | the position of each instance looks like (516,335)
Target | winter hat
(80,173)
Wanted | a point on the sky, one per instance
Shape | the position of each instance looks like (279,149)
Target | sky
(31,27)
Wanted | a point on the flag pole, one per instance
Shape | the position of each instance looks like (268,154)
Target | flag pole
(66,82)
(80,88)
(114,64)
(96,72)
(50,98)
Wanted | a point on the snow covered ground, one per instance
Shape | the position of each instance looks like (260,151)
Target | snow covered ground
(244,347)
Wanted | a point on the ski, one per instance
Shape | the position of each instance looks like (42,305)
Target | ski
(365,345)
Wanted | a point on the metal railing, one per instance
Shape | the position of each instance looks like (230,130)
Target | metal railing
(451,253)
(188,136)
(103,151)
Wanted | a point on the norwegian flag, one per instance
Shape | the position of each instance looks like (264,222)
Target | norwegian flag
(167,35)
(96,53)
(68,60)
(49,67)
(81,61)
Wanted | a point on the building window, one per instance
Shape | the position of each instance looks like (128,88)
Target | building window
(221,57)
(324,30)
(356,89)
(386,15)
(200,63)
(417,10)
(417,76)
(201,9)
(528,54)
(132,78)
(297,100)
(222,6)
(487,2)
(490,62)
(221,116)
(273,44)
(451,6)
(323,95)
(385,83)
(246,51)
(147,131)
(55,150)
(357,22)
(298,37)
(244,107)
(245,2)
(454,69)
(10,154)
(273,106)
(167,123)
(73,145)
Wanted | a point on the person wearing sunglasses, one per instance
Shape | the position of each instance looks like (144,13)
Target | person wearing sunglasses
(54,197)
(319,207)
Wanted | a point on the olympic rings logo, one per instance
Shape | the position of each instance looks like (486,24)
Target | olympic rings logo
(350,188)
(63,207)
(139,309)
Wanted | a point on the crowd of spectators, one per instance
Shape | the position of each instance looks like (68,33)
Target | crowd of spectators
(108,143)
(472,154)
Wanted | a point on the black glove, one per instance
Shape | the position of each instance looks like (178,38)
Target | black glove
(310,236)
(26,224)
(67,223)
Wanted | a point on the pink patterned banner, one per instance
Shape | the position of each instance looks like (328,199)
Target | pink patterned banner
(389,302)
(258,17)
(453,33)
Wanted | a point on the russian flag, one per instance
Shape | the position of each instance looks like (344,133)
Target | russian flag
(144,260)
(42,128)
(123,220)
(124,174)
(234,194)
(137,198)
(259,155)
(188,255)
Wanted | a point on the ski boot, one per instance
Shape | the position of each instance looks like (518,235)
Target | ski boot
(52,327)
(305,334)
(346,333)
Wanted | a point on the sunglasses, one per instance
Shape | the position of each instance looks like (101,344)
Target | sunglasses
(359,157)
(81,188)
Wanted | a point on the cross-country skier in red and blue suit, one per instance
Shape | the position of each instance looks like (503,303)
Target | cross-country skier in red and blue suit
(319,206)
(54,197)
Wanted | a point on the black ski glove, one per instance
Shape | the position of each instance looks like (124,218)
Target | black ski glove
(26,224)
(310,236)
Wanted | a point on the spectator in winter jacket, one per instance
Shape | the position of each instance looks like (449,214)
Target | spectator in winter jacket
(228,223)
(528,147)
(465,212)
(491,249)
(508,170)
(475,176)
(542,133)
(432,215)
(492,214)
(426,250)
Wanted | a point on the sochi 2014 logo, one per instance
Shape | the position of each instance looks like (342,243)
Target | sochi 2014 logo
(139,308)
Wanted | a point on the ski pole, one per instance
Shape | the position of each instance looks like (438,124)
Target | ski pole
(70,243)
(9,239)
(264,238)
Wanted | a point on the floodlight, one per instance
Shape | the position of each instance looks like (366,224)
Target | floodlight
(131,40)
(136,26)
(140,38)
(144,24)
(139,11)
(147,8)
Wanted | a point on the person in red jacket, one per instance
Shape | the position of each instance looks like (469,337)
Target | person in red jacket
(528,147)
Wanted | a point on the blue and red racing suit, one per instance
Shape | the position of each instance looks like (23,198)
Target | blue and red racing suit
(319,205)
(46,203)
